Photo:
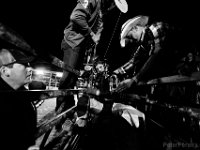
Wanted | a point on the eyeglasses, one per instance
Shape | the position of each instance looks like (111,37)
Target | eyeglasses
(18,62)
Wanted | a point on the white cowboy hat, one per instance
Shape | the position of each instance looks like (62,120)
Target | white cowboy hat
(121,5)
(127,26)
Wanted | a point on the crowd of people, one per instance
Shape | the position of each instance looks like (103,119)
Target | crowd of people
(121,123)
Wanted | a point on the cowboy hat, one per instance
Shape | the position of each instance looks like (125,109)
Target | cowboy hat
(127,26)
(121,5)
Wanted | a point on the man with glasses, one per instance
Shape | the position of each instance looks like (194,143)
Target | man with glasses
(18,115)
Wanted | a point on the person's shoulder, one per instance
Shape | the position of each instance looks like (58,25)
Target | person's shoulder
(79,9)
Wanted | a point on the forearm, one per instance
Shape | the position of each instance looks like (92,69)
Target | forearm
(149,64)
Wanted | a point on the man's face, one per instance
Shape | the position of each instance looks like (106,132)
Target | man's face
(20,74)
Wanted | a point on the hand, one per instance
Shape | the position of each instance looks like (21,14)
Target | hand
(95,37)
(81,121)
(119,71)
(126,84)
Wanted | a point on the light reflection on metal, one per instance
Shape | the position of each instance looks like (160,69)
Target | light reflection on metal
(59,74)
(50,78)
(39,72)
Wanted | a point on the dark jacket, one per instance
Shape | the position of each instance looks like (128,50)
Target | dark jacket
(18,119)
(81,24)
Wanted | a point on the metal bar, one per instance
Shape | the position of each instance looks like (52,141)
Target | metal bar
(48,125)
(33,95)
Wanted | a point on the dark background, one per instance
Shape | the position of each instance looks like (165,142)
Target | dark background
(41,23)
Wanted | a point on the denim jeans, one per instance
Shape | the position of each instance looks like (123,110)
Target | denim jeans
(73,58)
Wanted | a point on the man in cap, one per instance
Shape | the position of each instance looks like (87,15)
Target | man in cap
(143,40)
(18,114)
(149,43)
(158,51)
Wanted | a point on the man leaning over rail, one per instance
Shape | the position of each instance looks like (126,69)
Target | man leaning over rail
(159,50)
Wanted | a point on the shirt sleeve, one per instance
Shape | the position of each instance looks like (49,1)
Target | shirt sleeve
(80,17)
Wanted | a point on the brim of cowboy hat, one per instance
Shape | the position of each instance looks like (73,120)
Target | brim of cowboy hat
(126,27)
(121,5)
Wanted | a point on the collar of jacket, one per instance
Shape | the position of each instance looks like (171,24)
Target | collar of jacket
(4,86)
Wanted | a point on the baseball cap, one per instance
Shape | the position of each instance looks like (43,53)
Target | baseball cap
(11,56)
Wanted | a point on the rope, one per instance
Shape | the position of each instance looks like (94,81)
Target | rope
(112,35)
